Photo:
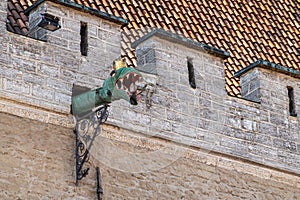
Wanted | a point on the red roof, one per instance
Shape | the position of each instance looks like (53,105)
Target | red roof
(248,30)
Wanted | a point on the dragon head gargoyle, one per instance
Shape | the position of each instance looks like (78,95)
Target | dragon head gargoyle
(125,83)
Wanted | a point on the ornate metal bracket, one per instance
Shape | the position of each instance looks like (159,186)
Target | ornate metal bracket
(86,130)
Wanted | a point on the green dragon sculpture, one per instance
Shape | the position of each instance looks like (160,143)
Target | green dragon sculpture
(125,83)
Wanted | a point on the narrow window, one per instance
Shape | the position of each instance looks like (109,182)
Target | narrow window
(292,108)
(191,73)
(84,38)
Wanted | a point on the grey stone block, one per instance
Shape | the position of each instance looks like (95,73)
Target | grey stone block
(59,85)
(34,79)
(148,68)
(283,144)
(42,93)
(24,64)
(62,99)
(253,96)
(17,86)
(48,70)
(268,129)
(263,151)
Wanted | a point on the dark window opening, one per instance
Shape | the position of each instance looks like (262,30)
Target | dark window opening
(292,107)
(84,39)
(191,71)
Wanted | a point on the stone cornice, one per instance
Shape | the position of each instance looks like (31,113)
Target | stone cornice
(183,41)
(68,3)
(271,66)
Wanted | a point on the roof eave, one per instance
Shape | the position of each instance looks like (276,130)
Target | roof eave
(269,65)
(183,41)
(68,3)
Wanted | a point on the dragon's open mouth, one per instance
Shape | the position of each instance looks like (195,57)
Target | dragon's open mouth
(133,85)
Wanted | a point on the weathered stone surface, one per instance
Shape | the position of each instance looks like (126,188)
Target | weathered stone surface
(38,163)
(207,109)
(33,70)
(216,147)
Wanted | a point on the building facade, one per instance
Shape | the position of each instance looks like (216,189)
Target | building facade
(187,139)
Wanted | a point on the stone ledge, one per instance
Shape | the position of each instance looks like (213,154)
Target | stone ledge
(36,113)
(139,143)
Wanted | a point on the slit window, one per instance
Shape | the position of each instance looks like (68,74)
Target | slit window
(84,38)
(191,71)
(292,107)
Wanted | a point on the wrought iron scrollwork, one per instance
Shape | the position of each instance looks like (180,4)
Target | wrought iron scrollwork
(86,130)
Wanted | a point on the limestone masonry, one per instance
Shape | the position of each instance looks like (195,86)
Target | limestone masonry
(178,143)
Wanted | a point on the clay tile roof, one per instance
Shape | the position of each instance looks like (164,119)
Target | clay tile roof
(248,30)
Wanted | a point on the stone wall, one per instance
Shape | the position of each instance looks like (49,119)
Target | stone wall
(180,142)
(40,75)
(195,174)
(37,162)
(206,117)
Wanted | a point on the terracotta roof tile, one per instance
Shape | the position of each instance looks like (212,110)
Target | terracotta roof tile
(249,30)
